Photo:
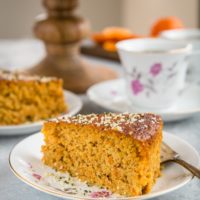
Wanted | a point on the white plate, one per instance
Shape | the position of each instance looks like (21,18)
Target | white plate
(72,100)
(111,95)
(26,165)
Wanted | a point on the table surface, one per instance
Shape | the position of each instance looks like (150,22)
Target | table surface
(13,189)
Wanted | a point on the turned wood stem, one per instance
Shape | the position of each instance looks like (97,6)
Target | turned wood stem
(62,31)
(65,50)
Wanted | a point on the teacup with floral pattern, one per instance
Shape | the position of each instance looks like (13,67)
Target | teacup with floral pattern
(155,71)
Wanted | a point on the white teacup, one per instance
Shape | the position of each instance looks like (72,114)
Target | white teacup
(155,71)
(191,36)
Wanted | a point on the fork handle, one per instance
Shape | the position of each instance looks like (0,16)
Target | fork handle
(189,167)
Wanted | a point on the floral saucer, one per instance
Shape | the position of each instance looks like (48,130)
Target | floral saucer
(112,96)
(25,163)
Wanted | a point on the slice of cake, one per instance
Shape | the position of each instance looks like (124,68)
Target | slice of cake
(29,98)
(120,152)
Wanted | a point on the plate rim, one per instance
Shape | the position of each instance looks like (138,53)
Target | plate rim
(39,123)
(47,190)
(167,114)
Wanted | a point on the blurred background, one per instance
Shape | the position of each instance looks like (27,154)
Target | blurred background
(17,16)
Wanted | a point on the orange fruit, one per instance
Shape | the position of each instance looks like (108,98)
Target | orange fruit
(109,46)
(117,33)
(114,34)
(99,38)
(166,23)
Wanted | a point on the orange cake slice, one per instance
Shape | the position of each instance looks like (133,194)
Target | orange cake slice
(120,152)
(29,98)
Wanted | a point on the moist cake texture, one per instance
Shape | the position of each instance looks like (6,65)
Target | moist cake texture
(29,98)
(120,152)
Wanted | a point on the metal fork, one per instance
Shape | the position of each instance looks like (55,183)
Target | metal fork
(169,155)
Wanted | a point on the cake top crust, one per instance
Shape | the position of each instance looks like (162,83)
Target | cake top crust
(140,126)
(15,76)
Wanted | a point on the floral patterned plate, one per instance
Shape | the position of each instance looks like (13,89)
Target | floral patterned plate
(25,163)
(74,103)
(112,96)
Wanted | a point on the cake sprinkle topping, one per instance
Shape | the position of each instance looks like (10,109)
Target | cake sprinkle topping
(140,126)
(13,76)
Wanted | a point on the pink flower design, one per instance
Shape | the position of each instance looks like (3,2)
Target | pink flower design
(137,86)
(37,176)
(30,165)
(156,69)
(114,93)
(100,194)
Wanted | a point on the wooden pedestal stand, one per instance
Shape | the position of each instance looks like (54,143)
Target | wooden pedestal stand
(62,32)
